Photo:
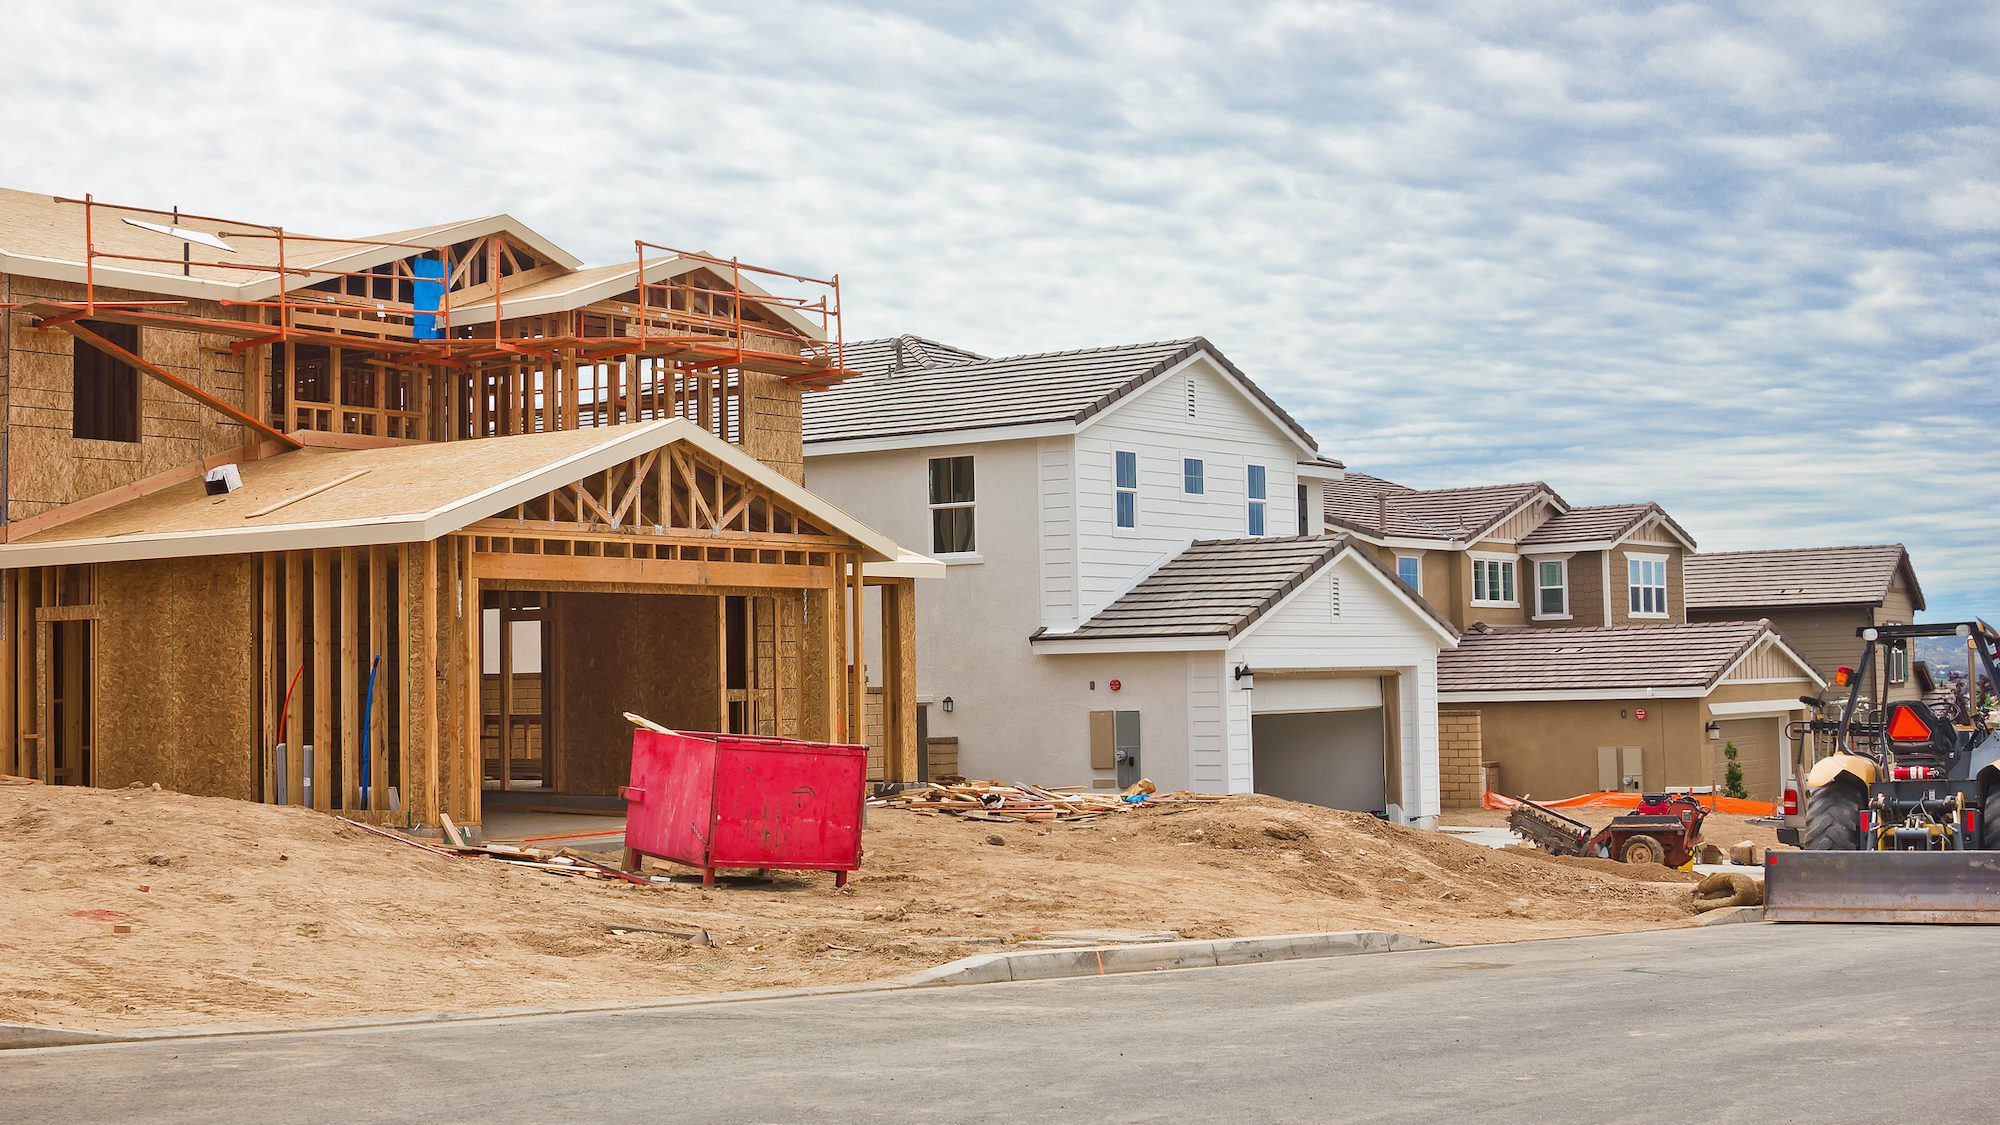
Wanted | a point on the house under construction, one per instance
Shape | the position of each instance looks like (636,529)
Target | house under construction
(490,499)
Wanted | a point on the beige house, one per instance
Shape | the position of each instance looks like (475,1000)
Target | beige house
(1579,669)
(1557,712)
(1820,598)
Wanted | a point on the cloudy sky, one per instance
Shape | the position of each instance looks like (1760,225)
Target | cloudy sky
(1739,260)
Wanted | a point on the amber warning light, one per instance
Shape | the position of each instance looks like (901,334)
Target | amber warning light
(1843,676)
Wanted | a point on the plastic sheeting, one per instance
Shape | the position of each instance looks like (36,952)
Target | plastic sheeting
(1710,801)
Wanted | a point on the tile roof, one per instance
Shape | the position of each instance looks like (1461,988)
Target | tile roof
(1020,390)
(879,357)
(1599,523)
(1636,657)
(1219,587)
(1804,576)
(1358,502)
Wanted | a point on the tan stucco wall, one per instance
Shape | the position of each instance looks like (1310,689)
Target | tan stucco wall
(1492,615)
(1549,750)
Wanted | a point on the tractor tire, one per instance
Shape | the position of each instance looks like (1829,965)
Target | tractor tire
(1833,816)
(1643,849)
(1989,809)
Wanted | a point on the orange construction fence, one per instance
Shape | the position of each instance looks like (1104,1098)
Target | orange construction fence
(1714,803)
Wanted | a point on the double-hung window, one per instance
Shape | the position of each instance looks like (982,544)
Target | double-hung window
(1192,482)
(951,506)
(1126,465)
(1258,488)
(1552,588)
(1646,585)
(1410,568)
(1493,582)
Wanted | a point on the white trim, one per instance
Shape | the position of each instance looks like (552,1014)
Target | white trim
(1756,708)
(1535,563)
(1058,645)
(1606,558)
(1513,562)
(1665,587)
(908,564)
(927,439)
(1220,369)
(419,527)
(1314,470)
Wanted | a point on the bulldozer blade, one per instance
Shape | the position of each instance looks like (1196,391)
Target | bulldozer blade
(1959,887)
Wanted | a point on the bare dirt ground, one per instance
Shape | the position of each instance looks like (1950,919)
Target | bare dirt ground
(243,913)
(1721,829)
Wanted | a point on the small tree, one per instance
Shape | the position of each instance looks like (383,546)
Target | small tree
(1732,775)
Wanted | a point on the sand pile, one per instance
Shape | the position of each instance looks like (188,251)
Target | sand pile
(243,913)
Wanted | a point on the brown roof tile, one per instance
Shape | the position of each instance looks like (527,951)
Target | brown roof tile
(1359,502)
(1635,657)
(1806,576)
(1599,523)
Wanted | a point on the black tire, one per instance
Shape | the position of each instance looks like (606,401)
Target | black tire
(1643,849)
(1833,816)
(1989,815)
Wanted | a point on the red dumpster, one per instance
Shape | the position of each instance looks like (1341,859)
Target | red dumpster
(735,800)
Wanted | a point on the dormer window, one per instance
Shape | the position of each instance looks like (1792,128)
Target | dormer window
(1493,580)
(1551,589)
(1646,585)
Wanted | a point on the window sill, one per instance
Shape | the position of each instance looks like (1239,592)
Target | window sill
(1647,616)
(960,560)
(1554,617)
(1497,605)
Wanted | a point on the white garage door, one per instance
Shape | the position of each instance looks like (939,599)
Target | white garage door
(1331,758)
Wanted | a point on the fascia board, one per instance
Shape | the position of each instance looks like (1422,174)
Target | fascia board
(928,439)
(1058,645)
(1638,694)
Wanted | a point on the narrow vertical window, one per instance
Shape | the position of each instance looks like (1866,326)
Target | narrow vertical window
(105,389)
(1127,482)
(1552,588)
(1305,523)
(1410,568)
(951,506)
(1255,485)
(1191,476)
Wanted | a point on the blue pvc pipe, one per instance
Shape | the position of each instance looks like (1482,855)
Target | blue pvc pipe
(368,725)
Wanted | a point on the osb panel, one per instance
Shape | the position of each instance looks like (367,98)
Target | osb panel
(773,426)
(174,675)
(654,655)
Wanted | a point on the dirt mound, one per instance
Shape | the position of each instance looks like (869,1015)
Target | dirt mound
(1638,872)
(245,913)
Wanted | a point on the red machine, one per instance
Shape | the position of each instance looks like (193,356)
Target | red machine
(733,800)
(1661,830)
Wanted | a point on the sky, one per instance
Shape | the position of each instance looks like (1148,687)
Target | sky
(1741,260)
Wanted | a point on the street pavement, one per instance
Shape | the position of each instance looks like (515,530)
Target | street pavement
(1757,1023)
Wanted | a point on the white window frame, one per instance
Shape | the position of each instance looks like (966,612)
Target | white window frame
(1513,584)
(1257,509)
(1201,475)
(1120,491)
(1632,588)
(1417,586)
(1562,563)
(969,505)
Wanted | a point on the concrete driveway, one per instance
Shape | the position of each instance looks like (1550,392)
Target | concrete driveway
(1739,1023)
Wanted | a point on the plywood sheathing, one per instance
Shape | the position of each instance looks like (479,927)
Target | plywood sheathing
(657,655)
(175,677)
(48,467)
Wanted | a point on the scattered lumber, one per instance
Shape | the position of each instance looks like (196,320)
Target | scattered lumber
(1004,802)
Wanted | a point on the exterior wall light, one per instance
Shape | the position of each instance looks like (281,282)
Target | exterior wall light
(1245,675)
(946,704)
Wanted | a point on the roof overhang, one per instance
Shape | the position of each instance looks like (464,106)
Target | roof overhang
(1639,692)
(1057,645)
(49,548)
(931,439)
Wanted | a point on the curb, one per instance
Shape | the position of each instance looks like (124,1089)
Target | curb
(1731,914)
(1103,960)
(987,968)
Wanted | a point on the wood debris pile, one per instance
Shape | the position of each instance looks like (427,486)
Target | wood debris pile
(1007,802)
(562,861)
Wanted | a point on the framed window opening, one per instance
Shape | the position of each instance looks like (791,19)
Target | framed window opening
(953,529)
(1493,581)
(1257,485)
(105,389)
(1193,476)
(1646,586)
(1126,487)
(1410,568)
(1552,589)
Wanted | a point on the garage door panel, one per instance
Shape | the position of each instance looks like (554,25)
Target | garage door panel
(1281,695)
(1331,758)
(1757,751)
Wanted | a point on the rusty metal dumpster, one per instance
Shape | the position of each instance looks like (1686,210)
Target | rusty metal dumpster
(737,801)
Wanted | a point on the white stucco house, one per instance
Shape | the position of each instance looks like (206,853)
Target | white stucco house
(1138,579)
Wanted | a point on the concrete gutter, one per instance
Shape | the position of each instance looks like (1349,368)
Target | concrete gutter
(989,968)
(1102,960)
(1729,914)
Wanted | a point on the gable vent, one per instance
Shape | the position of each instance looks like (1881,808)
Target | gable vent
(1333,597)
(1190,396)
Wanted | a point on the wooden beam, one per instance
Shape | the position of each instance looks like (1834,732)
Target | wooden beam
(292,670)
(353,678)
(270,674)
(176,382)
(899,680)
(325,639)
(469,663)
(379,598)
(315,490)
(572,568)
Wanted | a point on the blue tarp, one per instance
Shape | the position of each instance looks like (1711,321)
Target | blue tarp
(428,296)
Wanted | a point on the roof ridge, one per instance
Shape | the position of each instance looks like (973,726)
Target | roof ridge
(1084,351)
(1802,550)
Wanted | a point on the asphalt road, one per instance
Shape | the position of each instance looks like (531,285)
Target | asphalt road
(1733,1023)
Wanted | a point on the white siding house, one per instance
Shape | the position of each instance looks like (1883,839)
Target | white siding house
(1135,544)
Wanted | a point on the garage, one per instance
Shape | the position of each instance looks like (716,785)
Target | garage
(1331,758)
(1757,742)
